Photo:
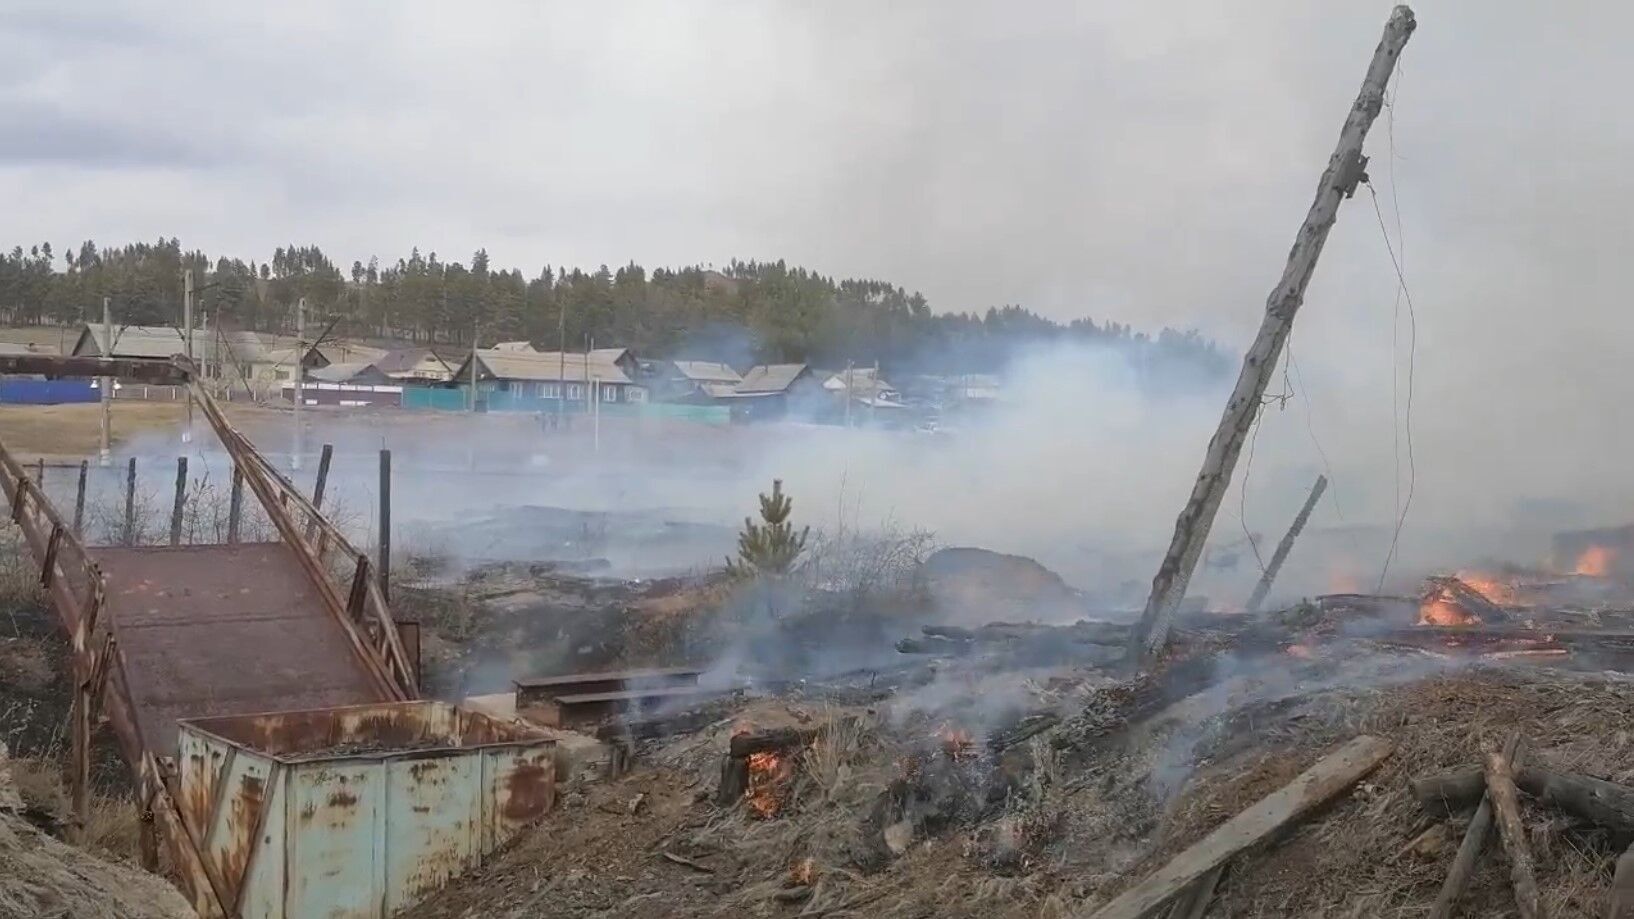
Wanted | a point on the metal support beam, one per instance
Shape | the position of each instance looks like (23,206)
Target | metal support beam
(1345,169)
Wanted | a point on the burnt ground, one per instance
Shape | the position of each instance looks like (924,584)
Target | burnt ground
(892,821)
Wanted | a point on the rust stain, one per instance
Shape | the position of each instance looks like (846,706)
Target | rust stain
(529,790)
(240,844)
(342,799)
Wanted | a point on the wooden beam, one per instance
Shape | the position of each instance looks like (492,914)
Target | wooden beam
(1598,801)
(1330,777)
(1506,805)
(1286,546)
(179,504)
(1620,904)
(1345,169)
(1475,837)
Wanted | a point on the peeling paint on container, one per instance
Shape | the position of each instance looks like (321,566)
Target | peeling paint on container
(355,812)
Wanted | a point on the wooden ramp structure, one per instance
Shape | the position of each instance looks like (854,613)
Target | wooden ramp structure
(173,632)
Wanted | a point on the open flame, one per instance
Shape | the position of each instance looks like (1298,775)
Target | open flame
(769,775)
(1497,590)
(1441,607)
(957,742)
(1595,561)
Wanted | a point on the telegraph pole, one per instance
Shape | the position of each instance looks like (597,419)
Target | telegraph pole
(187,342)
(300,372)
(104,456)
(1287,545)
(1345,169)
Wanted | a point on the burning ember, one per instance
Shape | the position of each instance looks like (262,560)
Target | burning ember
(1444,611)
(957,743)
(1595,562)
(1491,587)
(769,775)
(803,872)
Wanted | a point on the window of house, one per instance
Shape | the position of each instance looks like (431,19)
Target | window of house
(635,394)
(573,391)
(609,393)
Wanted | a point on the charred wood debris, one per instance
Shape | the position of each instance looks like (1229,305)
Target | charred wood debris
(964,777)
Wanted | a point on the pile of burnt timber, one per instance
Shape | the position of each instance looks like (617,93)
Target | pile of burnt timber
(1493,790)
(583,699)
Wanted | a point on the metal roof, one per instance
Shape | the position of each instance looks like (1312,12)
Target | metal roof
(546,366)
(404,360)
(137,341)
(769,378)
(707,372)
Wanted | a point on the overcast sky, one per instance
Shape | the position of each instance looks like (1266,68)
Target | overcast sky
(1147,162)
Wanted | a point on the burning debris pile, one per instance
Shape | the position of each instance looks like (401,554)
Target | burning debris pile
(1016,769)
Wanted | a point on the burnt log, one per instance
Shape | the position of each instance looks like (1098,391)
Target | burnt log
(1028,727)
(1475,837)
(1506,809)
(1598,801)
(1474,602)
(1447,793)
(772,740)
(932,645)
(734,781)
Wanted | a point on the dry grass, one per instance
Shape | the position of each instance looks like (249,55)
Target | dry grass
(111,824)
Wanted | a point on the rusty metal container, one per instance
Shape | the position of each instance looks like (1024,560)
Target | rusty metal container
(355,812)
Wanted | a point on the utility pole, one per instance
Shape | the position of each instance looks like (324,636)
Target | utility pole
(104,455)
(187,343)
(475,331)
(848,394)
(561,360)
(1345,169)
(1286,546)
(300,373)
(873,401)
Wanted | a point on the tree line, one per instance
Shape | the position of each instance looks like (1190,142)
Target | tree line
(746,311)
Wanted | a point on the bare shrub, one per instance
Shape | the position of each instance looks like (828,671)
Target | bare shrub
(866,566)
(112,825)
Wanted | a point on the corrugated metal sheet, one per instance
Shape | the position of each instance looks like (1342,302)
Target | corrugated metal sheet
(355,813)
(769,378)
(46,392)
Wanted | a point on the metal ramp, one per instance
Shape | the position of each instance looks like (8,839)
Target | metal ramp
(165,633)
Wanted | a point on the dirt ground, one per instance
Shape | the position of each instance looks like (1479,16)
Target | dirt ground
(75,430)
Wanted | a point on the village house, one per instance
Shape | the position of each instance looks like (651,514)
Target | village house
(696,382)
(518,380)
(770,391)
(414,365)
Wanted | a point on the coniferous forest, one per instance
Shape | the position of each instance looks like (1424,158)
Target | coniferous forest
(743,312)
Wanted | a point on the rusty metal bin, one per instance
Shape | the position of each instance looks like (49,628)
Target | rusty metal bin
(358,811)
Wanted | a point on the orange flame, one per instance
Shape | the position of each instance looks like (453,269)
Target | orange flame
(769,775)
(1441,611)
(957,742)
(1595,561)
(1498,591)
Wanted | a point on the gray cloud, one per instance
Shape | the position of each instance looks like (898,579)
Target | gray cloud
(1144,162)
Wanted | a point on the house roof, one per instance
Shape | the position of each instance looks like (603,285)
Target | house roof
(765,379)
(546,366)
(138,341)
(406,360)
(863,380)
(707,372)
(348,352)
(514,346)
(340,373)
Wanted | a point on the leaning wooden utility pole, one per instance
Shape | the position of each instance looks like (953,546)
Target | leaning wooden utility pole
(1286,546)
(1345,169)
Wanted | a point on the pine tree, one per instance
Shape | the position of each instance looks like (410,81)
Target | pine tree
(769,548)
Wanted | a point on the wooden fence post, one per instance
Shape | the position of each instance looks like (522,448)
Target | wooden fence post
(180,501)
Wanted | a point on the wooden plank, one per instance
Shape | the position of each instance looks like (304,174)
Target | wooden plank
(1330,777)
(1620,904)
(1193,904)
(1506,805)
